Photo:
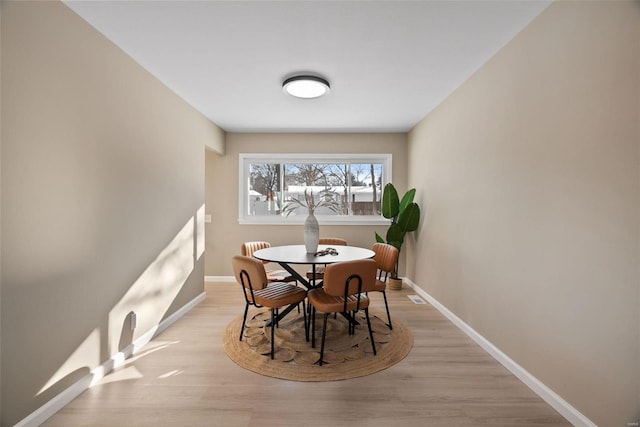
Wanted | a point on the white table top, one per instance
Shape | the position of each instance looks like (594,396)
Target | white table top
(297,254)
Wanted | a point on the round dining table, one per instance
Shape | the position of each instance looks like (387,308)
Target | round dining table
(290,255)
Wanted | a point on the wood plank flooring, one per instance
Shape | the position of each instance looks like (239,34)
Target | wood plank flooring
(184,378)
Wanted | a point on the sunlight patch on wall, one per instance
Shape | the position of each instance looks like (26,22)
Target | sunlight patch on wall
(156,288)
(149,298)
(200,232)
(89,350)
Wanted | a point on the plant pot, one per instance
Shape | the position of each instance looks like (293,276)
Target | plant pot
(395,284)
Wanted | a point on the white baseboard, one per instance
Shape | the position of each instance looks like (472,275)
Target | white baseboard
(565,409)
(58,402)
(225,279)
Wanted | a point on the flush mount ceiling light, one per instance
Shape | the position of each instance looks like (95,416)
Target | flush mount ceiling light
(306,86)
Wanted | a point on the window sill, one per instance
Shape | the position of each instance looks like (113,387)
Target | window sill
(321,220)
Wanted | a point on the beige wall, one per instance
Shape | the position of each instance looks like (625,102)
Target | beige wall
(216,140)
(224,235)
(530,181)
(0,213)
(102,201)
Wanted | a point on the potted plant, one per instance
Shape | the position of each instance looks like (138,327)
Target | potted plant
(327,199)
(405,216)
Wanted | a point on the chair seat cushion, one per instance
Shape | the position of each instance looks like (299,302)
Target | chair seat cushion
(379,286)
(319,272)
(330,304)
(278,295)
(279,276)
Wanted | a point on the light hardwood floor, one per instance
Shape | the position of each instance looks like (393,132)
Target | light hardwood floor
(184,378)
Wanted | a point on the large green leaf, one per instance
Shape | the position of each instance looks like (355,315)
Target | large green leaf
(407,199)
(390,202)
(409,218)
(379,238)
(395,234)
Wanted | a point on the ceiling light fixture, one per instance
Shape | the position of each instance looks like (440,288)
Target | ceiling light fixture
(306,86)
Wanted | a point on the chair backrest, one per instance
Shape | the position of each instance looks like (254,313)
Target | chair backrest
(332,241)
(349,277)
(248,248)
(249,272)
(386,256)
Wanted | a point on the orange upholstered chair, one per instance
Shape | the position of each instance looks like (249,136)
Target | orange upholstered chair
(250,273)
(248,248)
(386,257)
(343,291)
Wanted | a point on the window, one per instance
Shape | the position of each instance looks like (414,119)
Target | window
(354,182)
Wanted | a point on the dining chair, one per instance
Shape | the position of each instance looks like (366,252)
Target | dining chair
(248,248)
(386,257)
(343,291)
(250,273)
(319,271)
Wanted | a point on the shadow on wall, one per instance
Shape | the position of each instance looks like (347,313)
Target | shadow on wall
(151,298)
(128,326)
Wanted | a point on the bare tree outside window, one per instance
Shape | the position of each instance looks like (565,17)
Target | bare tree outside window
(310,174)
(339,175)
(274,183)
(374,193)
(365,188)
(265,188)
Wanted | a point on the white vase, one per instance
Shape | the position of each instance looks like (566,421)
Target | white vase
(311,234)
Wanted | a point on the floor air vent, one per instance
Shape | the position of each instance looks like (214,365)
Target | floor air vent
(416,299)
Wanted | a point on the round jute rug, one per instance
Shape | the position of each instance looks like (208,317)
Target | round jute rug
(345,356)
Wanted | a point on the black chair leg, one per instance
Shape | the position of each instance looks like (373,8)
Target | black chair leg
(384,294)
(373,344)
(352,323)
(308,308)
(272,330)
(324,334)
(244,320)
(313,327)
(306,328)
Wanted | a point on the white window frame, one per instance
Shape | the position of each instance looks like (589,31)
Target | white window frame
(245,159)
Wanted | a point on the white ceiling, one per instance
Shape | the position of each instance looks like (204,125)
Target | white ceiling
(389,63)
